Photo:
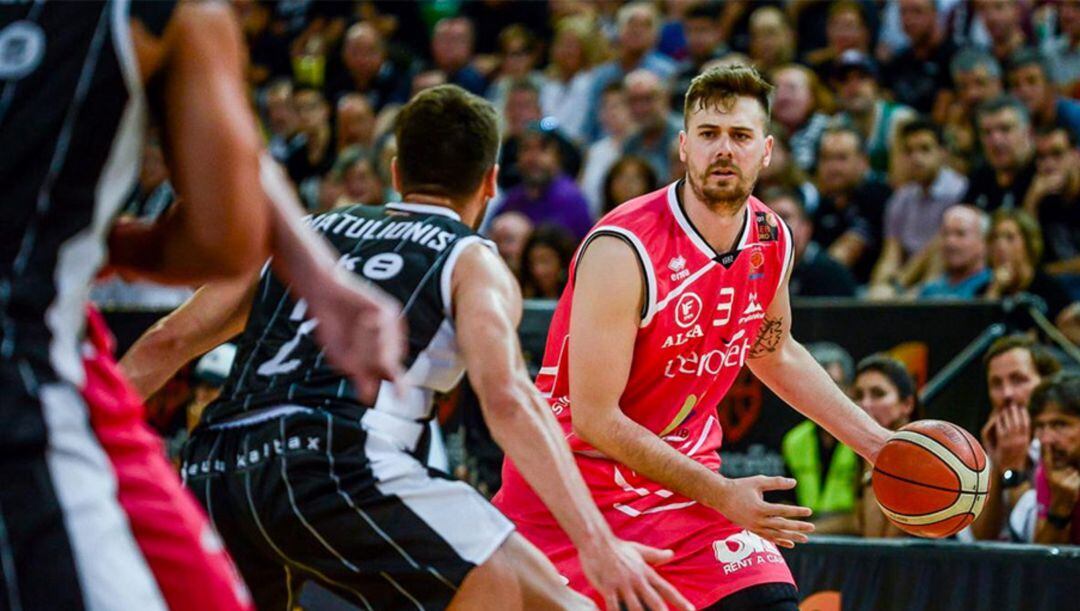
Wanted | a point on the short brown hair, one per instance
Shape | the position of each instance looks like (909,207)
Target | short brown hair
(1045,363)
(723,85)
(1029,228)
(447,139)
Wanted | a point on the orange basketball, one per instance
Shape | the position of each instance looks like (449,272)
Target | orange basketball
(931,478)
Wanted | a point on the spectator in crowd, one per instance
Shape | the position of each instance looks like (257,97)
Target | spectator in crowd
(845,30)
(657,126)
(577,47)
(782,171)
(367,70)
(546,194)
(802,105)
(826,471)
(704,43)
(964,233)
(1055,418)
(877,120)
(519,53)
(1063,50)
(772,41)
(847,221)
(331,193)
(360,178)
(977,78)
(1054,198)
(885,389)
(618,124)
(490,17)
(639,25)
(1029,81)
(545,262)
(914,212)
(1016,247)
(426,79)
(452,44)
(1015,365)
(315,156)
(918,76)
(355,122)
(281,120)
(1004,21)
(522,110)
(510,231)
(816,274)
(1002,181)
(630,177)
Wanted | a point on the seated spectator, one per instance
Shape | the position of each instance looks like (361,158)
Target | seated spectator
(361,183)
(545,262)
(315,156)
(802,105)
(914,212)
(546,194)
(577,47)
(1002,181)
(1054,199)
(878,121)
(281,121)
(1063,50)
(847,221)
(964,233)
(1055,418)
(602,154)
(523,109)
(1004,21)
(918,76)
(452,44)
(783,173)
(355,122)
(1015,365)
(772,41)
(519,53)
(510,231)
(630,177)
(1029,80)
(977,78)
(816,274)
(1016,248)
(657,126)
(704,43)
(884,389)
(367,70)
(845,30)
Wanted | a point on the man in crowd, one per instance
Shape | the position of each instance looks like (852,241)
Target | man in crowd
(452,46)
(522,110)
(367,70)
(704,43)
(919,74)
(977,78)
(315,156)
(1054,198)
(1005,134)
(1005,25)
(1029,80)
(657,127)
(510,231)
(1055,418)
(964,230)
(355,122)
(816,274)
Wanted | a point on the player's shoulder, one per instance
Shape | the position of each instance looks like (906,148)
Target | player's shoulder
(642,215)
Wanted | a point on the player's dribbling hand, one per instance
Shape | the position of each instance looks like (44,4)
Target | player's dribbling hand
(621,572)
(743,502)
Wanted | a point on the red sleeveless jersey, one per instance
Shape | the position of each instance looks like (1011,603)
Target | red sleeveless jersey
(701,316)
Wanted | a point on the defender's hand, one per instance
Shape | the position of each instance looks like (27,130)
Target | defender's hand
(621,572)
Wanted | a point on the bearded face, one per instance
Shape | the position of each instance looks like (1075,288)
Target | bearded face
(725,149)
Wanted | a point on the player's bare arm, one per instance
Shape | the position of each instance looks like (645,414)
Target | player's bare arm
(608,296)
(785,366)
(487,311)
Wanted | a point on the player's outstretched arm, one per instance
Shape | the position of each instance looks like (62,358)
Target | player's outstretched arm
(788,369)
(608,298)
(215,313)
(487,309)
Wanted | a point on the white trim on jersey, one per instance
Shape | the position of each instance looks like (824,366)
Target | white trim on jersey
(646,262)
(684,223)
(789,256)
(445,281)
(113,574)
(425,209)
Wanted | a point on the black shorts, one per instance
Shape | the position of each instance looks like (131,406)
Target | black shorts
(312,496)
(764,597)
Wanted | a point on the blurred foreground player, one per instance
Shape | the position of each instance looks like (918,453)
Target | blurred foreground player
(93,517)
(670,294)
(306,479)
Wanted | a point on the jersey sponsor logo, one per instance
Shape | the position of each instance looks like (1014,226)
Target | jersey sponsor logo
(678,266)
(687,309)
(712,362)
(679,339)
(744,549)
(723,306)
(22,47)
(768,229)
(728,259)
(753,311)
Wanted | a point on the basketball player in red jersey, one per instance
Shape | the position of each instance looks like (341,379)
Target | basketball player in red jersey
(669,296)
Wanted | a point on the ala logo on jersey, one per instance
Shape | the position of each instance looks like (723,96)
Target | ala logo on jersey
(22,47)
(753,310)
(687,310)
(679,339)
(678,266)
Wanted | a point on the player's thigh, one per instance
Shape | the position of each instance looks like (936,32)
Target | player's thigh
(762,597)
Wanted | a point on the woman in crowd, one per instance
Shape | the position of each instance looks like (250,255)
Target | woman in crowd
(576,48)
(545,262)
(628,178)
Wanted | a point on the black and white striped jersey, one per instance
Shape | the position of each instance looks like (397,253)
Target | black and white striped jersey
(408,250)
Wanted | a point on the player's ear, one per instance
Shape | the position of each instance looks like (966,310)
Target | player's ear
(491,181)
(768,151)
(395,180)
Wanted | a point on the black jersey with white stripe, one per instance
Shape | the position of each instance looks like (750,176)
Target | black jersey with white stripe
(409,251)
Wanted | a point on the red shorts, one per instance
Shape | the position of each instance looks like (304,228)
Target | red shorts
(714,558)
(191,567)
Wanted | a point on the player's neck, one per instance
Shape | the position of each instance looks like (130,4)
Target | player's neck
(719,224)
(469,211)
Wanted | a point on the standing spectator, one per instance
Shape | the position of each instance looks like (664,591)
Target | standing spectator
(1015,366)
(919,74)
(638,24)
(1055,417)
(1054,198)
(802,105)
(656,125)
(1004,21)
(366,69)
(452,53)
(281,120)
(847,221)
(964,232)
(1016,247)
(704,43)
(878,120)
(1063,51)
(545,262)
(914,212)
(772,41)
(355,122)
(977,77)
(602,154)
(1029,81)
(315,156)
(630,177)
(565,93)
(519,52)
(845,30)
(1006,137)
(816,274)
(546,194)
(510,231)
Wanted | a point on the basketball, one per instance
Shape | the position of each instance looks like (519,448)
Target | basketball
(931,479)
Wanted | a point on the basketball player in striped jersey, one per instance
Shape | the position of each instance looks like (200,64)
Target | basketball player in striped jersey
(307,478)
(91,516)
(669,295)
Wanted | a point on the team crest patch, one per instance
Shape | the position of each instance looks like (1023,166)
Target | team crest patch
(768,229)
(757,259)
